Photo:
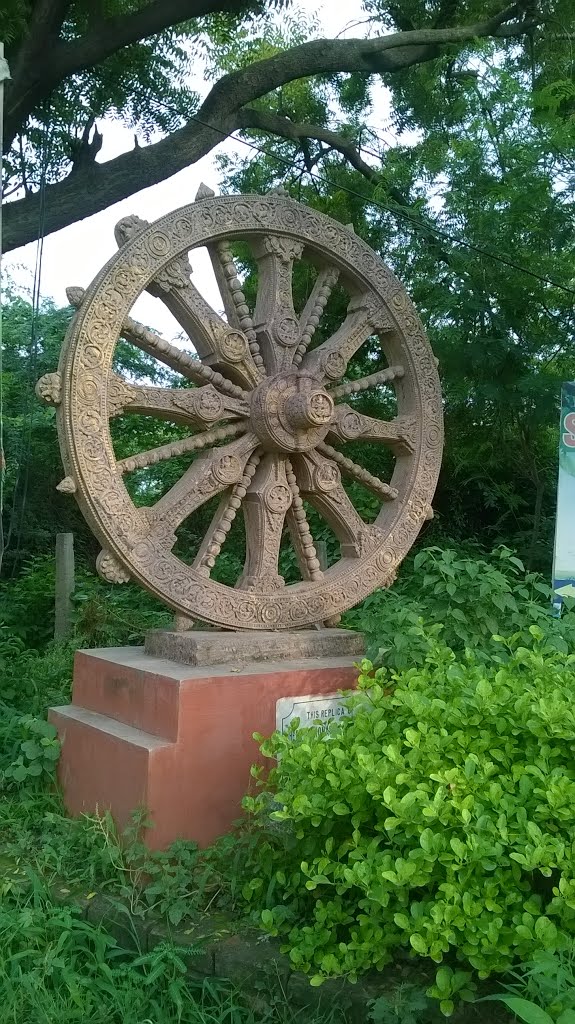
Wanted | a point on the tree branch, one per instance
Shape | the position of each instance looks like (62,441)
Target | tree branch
(384,54)
(93,187)
(111,34)
(261,120)
(54,61)
(96,186)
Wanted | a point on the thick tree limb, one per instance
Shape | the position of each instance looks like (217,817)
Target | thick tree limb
(96,186)
(384,54)
(89,189)
(43,61)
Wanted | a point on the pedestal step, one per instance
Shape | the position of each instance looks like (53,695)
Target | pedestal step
(178,740)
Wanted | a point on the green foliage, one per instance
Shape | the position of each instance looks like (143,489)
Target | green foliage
(32,749)
(490,163)
(450,987)
(103,614)
(468,602)
(543,990)
(437,819)
(405,1006)
(54,966)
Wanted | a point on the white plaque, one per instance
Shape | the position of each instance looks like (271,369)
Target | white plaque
(314,709)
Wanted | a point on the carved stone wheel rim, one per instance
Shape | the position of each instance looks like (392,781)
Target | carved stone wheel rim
(137,541)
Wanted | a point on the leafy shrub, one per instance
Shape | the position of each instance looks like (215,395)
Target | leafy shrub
(104,614)
(31,749)
(29,683)
(464,600)
(438,819)
(405,1006)
(27,603)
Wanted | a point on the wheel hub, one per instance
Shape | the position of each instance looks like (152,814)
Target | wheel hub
(291,412)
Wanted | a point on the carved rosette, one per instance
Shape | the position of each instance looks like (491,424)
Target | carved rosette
(111,569)
(49,389)
(263,419)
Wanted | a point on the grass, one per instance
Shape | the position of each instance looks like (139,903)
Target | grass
(57,969)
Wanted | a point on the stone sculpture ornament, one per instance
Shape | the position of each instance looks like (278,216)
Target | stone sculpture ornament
(267,417)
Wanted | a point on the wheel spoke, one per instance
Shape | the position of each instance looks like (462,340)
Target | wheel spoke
(218,344)
(398,434)
(365,316)
(223,519)
(209,475)
(301,537)
(171,450)
(233,297)
(311,316)
(319,481)
(168,354)
(266,502)
(373,380)
(203,406)
(276,325)
(357,473)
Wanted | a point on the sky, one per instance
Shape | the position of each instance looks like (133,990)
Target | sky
(76,254)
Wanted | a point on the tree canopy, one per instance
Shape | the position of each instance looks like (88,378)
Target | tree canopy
(75,62)
(467,194)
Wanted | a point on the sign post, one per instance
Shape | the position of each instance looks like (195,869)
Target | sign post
(564,555)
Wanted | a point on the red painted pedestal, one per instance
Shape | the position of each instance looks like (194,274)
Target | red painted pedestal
(175,739)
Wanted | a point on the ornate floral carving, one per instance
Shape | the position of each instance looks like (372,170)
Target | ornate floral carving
(288,249)
(120,394)
(49,388)
(111,569)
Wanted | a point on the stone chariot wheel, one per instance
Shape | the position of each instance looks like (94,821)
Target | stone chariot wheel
(269,416)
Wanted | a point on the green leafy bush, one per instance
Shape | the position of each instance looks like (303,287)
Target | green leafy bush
(104,614)
(408,1005)
(465,600)
(438,819)
(31,748)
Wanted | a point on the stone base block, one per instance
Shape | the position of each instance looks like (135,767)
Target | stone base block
(143,731)
(215,647)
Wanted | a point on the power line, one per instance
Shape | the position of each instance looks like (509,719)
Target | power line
(395,211)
